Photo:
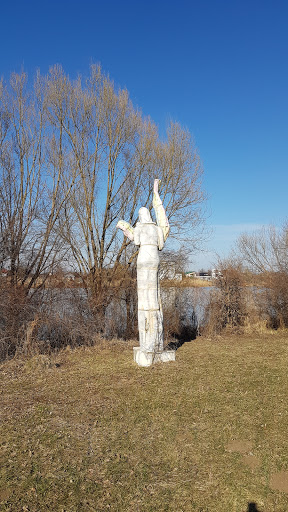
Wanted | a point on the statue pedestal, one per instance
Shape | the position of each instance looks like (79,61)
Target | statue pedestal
(143,358)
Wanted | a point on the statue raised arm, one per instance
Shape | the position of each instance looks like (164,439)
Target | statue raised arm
(160,213)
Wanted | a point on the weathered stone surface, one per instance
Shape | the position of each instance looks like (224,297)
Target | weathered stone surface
(145,358)
(150,237)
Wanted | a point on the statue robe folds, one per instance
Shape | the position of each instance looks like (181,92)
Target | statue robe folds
(150,237)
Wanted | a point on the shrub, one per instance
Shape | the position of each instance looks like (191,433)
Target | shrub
(227,308)
(16,311)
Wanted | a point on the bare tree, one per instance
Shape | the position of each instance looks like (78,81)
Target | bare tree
(266,253)
(32,192)
(115,156)
(265,250)
(173,262)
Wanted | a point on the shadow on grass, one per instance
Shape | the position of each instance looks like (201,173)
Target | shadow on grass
(186,333)
(252,507)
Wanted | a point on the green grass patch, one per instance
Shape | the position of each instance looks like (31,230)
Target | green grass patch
(88,430)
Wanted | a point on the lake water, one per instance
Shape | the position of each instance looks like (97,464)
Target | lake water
(190,304)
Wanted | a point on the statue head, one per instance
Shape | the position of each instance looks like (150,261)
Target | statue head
(144,215)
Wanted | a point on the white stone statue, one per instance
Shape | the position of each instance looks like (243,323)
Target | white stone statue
(151,238)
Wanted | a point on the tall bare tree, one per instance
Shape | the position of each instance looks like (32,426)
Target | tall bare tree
(32,192)
(115,156)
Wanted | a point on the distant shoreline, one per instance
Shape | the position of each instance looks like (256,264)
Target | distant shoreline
(188,282)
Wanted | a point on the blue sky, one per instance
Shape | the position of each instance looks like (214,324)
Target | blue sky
(218,67)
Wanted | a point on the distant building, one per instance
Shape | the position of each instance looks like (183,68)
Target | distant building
(205,276)
(191,274)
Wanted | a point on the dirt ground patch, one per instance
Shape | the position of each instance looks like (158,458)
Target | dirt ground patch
(240,446)
(251,461)
(279,481)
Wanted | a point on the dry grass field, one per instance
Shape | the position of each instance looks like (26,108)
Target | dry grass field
(87,430)
(187,282)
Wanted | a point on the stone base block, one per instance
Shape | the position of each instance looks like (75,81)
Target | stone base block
(143,358)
